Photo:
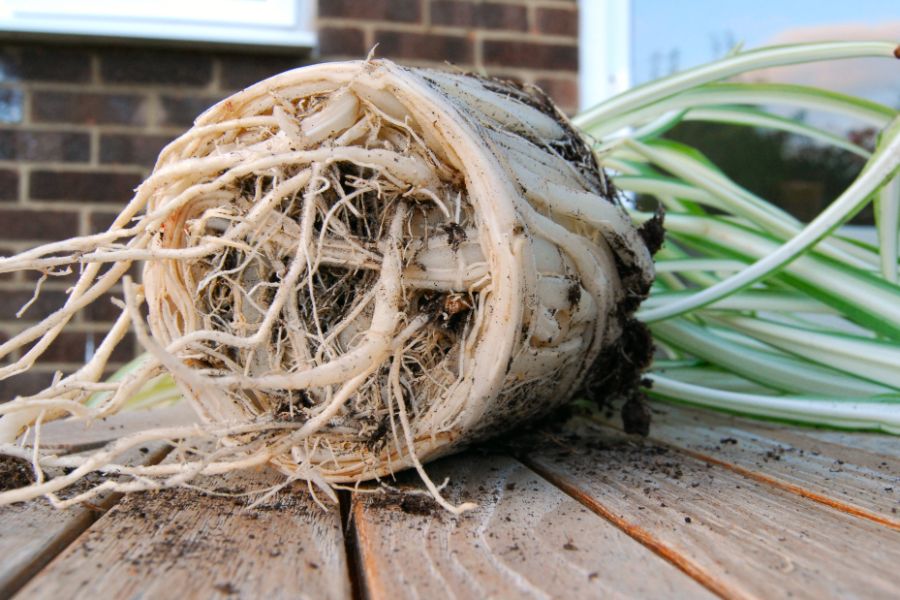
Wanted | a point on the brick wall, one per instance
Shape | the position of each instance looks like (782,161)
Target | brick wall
(80,126)
(530,41)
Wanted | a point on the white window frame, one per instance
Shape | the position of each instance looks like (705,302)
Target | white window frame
(604,50)
(288,23)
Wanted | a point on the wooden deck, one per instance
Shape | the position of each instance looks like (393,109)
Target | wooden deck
(708,506)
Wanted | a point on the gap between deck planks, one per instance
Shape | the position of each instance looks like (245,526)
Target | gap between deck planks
(858,473)
(527,538)
(175,543)
(742,538)
(182,542)
(35,532)
(737,536)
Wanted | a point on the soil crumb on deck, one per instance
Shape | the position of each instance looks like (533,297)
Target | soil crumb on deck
(14,473)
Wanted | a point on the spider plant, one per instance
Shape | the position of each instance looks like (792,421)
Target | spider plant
(754,311)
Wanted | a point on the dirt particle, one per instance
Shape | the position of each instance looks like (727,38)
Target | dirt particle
(617,375)
(653,233)
(573,294)
(226,588)
(14,473)
(455,235)
(636,415)
(570,546)
(411,504)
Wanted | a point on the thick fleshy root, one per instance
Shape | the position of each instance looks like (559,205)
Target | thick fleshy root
(349,269)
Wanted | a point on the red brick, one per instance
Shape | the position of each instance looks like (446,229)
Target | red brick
(70,347)
(407,11)
(88,108)
(100,221)
(9,185)
(564,92)
(11,301)
(509,53)
(453,13)
(502,16)
(45,62)
(44,146)
(30,382)
(418,46)
(5,251)
(25,224)
(132,149)
(557,21)
(181,110)
(156,67)
(483,15)
(102,310)
(83,186)
(342,41)
(242,70)
(11,106)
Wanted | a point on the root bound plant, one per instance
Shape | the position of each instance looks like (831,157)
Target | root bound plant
(348,269)
(354,268)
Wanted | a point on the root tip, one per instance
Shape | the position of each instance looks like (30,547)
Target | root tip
(465,507)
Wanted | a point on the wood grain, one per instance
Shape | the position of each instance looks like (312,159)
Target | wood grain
(34,532)
(180,543)
(835,468)
(876,444)
(527,539)
(741,537)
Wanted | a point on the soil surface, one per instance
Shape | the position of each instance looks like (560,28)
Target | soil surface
(14,473)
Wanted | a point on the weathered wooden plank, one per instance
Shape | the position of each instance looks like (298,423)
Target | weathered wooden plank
(527,539)
(823,466)
(742,537)
(876,444)
(179,543)
(34,532)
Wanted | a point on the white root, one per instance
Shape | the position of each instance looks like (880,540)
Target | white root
(349,269)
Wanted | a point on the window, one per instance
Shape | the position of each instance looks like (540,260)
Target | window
(604,43)
(287,23)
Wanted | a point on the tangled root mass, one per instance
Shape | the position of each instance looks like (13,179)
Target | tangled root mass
(350,269)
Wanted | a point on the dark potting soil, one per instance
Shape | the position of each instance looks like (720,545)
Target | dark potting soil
(411,504)
(14,473)
(618,375)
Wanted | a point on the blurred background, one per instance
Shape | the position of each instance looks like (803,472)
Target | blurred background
(791,171)
(90,91)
